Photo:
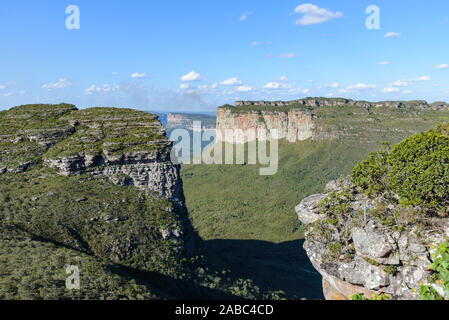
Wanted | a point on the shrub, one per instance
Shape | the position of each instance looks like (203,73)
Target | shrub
(417,169)
(370,173)
(420,169)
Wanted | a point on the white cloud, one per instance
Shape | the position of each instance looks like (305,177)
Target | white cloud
(407,91)
(313,14)
(399,83)
(105,88)
(392,35)
(7,94)
(60,84)
(442,66)
(245,16)
(232,82)
(305,91)
(138,75)
(284,56)
(384,63)
(272,85)
(191,76)
(244,89)
(184,86)
(332,85)
(390,89)
(255,43)
(2,87)
(283,78)
(423,78)
(276,85)
(115,73)
(361,86)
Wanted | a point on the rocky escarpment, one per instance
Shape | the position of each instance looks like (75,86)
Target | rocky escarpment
(92,188)
(335,102)
(292,125)
(384,230)
(128,147)
(321,119)
(362,255)
(186,121)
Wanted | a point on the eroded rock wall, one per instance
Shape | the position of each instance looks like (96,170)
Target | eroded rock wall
(293,125)
(358,253)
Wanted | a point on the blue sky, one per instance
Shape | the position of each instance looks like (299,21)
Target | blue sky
(195,55)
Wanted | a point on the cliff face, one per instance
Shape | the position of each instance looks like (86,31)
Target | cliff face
(292,125)
(338,102)
(128,147)
(185,121)
(362,255)
(93,188)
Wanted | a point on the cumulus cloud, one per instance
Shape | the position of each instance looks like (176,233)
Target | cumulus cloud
(244,16)
(138,75)
(232,82)
(191,76)
(442,66)
(423,78)
(101,89)
(184,86)
(361,86)
(276,85)
(312,14)
(384,63)
(60,84)
(244,88)
(283,78)
(8,94)
(399,83)
(390,89)
(392,35)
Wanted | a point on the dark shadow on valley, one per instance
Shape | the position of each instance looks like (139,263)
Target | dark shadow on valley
(273,267)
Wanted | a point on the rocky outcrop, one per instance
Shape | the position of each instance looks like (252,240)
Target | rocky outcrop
(186,121)
(335,102)
(358,250)
(293,125)
(129,147)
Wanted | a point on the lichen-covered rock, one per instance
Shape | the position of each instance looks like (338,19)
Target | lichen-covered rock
(308,209)
(119,142)
(365,246)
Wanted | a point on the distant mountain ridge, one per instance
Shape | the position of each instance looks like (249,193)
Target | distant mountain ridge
(317,102)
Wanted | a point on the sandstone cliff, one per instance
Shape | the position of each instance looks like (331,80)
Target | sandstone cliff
(185,121)
(291,125)
(335,102)
(320,118)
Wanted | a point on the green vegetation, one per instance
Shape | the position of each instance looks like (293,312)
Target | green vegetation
(235,202)
(416,169)
(374,297)
(440,276)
